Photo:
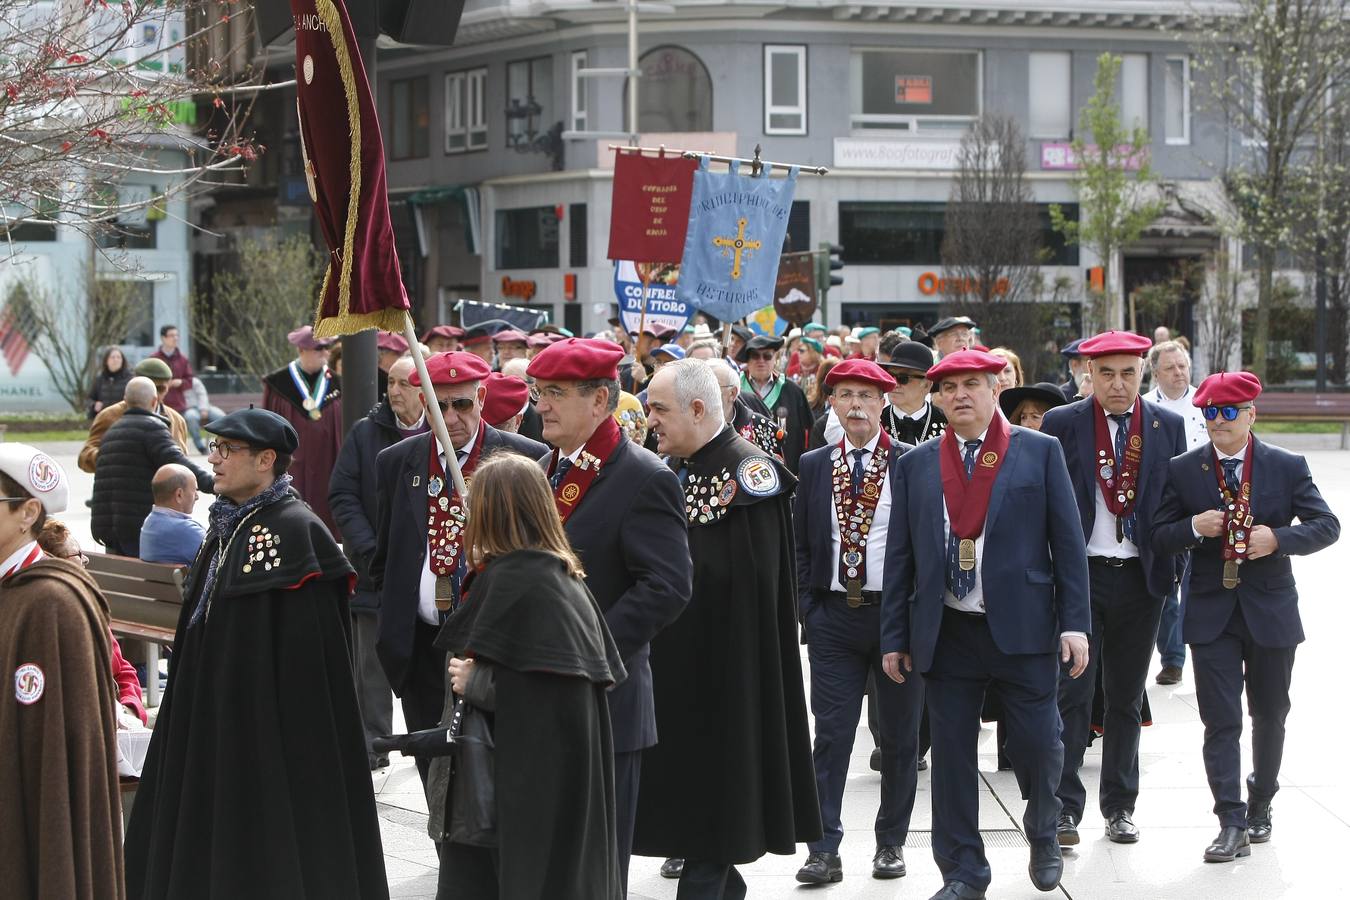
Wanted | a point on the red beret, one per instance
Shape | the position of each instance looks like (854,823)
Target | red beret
(577,359)
(453,332)
(1111,343)
(1227,389)
(509,336)
(540,341)
(395,343)
(453,367)
(506,396)
(481,337)
(303,338)
(963,361)
(861,370)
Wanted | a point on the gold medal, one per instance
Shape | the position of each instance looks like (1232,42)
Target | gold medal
(308,403)
(315,414)
(1230,574)
(966,554)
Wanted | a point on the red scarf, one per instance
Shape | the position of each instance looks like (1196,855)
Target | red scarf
(445,511)
(33,556)
(597,451)
(968,500)
(1119,478)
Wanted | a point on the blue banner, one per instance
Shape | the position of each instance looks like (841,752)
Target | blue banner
(736,230)
(662,306)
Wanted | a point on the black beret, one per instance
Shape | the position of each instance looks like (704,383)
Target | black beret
(759,342)
(261,429)
(951,322)
(742,332)
(910,355)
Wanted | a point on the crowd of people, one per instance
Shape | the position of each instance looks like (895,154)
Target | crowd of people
(596,642)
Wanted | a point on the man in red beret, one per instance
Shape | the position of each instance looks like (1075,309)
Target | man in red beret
(507,399)
(390,346)
(443,338)
(510,344)
(841,515)
(1232,504)
(418,564)
(307,393)
(1117,445)
(994,597)
(623,512)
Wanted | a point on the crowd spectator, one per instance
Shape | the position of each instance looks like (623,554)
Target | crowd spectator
(131,453)
(170,534)
(1012,375)
(177,361)
(110,382)
(159,374)
(199,412)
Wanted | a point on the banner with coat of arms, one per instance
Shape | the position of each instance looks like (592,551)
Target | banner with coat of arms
(737,226)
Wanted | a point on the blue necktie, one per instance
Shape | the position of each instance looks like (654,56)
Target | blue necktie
(960,582)
(857,476)
(1230,475)
(1122,431)
(560,473)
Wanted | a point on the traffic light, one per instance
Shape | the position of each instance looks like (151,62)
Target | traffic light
(827,264)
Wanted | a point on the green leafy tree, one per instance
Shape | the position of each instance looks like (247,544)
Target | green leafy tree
(1114,186)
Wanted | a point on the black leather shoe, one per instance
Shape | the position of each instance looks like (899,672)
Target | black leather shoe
(1169,675)
(1046,866)
(1120,828)
(1066,832)
(821,868)
(1231,843)
(875,762)
(958,890)
(889,862)
(379,762)
(672,868)
(1258,822)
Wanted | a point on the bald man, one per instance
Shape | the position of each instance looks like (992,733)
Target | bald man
(170,534)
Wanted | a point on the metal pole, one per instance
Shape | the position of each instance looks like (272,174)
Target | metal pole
(434,409)
(632,72)
(360,358)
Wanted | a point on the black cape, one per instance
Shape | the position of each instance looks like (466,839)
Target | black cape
(731,777)
(256,783)
(553,660)
(792,413)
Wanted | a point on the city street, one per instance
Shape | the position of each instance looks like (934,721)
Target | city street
(1311,812)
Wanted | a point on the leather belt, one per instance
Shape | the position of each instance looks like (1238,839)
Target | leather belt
(963,612)
(1114,562)
(869,598)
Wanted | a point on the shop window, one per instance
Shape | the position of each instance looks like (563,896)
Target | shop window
(911,234)
(527,238)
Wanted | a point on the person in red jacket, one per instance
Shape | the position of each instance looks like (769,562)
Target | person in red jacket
(178,363)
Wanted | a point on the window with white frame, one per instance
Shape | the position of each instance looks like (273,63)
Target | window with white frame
(914,91)
(465,118)
(784,89)
(1049,91)
(1177,100)
(1134,90)
(578,91)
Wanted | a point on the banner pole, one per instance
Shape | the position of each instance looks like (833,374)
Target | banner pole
(646,274)
(434,410)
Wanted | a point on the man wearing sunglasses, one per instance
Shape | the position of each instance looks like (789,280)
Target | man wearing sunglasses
(1117,446)
(911,417)
(785,401)
(1232,504)
(418,565)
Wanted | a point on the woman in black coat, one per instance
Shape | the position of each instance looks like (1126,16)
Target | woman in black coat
(110,382)
(530,653)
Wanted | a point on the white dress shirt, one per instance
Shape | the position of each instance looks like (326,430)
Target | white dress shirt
(1102,541)
(1183,406)
(426,588)
(875,550)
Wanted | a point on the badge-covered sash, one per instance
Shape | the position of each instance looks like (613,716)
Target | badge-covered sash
(1237,517)
(601,446)
(446,514)
(854,511)
(1118,479)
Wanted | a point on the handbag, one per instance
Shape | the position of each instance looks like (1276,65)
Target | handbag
(473,788)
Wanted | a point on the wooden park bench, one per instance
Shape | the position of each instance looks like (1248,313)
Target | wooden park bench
(1289,406)
(144,600)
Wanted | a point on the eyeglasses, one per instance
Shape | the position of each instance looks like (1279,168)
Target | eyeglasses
(225,449)
(906,379)
(460,404)
(1228,412)
(761,357)
(551,394)
(860,396)
(79,558)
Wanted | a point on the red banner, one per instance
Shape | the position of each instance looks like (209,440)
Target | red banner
(344,165)
(649,210)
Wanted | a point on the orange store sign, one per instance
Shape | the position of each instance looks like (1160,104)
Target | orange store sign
(931,283)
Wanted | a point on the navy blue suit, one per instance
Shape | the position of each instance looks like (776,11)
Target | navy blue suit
(416,668)
(629,530)
(843,645)
(1127,597)
(1034,576)
(1247,633)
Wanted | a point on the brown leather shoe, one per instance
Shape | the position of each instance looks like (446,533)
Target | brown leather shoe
(1169,675)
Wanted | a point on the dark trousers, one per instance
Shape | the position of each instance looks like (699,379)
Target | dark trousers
(703,880)
(874,719)
(1171,648)
(1219,678)
(467,873)
(423,695)
(966,663)
(844,646)
(1124,627)
(373,694)
(627,775)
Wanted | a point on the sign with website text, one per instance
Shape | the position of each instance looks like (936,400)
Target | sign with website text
(649,207)
(899,153)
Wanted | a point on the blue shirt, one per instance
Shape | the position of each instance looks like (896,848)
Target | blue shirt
(170,536)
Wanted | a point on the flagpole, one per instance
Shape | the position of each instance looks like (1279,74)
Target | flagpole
(646,273)
(434,408)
